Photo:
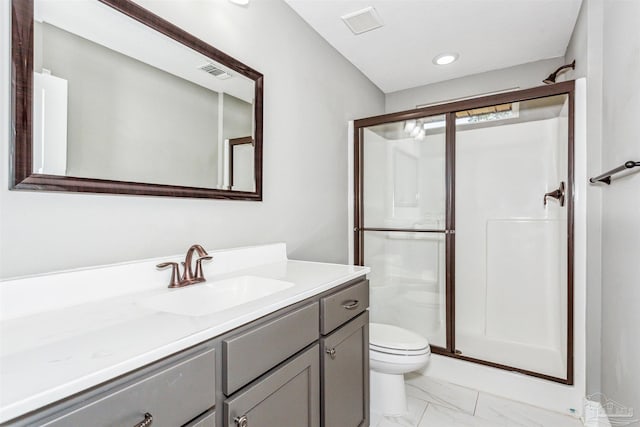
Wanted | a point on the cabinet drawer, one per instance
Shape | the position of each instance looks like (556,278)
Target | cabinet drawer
(338,308)
(286,397)
(250,354)
(173,395)
(205,420)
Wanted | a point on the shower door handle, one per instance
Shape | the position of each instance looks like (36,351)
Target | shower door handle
(557,194)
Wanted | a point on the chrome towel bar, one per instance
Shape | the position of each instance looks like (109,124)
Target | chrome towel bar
(606,177)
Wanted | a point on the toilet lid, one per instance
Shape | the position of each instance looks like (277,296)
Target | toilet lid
(394,338)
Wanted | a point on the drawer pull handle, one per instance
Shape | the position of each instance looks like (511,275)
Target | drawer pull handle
(331,352)
(148,420)
(241,421)
(351,304)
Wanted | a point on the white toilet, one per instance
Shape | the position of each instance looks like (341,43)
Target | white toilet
(393,352)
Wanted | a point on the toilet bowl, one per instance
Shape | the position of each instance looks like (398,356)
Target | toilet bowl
(393,352)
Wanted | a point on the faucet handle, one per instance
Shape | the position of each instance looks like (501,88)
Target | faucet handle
(199,273)
(174,282)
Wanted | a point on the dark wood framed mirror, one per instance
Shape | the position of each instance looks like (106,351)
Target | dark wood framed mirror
(108,97)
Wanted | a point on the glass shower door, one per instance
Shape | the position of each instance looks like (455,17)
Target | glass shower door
(402,223)
(512,201)
(464,212)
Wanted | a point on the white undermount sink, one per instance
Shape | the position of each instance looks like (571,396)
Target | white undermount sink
(211,297)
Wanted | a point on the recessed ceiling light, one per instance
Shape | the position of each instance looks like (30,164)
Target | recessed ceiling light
(240,2)
(445,58)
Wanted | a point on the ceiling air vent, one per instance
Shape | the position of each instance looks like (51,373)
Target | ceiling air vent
(363,20)
(214,71)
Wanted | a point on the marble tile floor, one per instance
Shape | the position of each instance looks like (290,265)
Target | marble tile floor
(434,403)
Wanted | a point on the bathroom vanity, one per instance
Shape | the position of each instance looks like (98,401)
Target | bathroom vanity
(304,363)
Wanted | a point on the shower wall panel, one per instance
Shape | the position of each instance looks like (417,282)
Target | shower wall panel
(511,248)
(523,308)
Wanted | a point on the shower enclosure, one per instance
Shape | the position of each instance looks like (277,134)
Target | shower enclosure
(464,212)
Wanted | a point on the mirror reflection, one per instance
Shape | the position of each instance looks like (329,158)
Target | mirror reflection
(134,105)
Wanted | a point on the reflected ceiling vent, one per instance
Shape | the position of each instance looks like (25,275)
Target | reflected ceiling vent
(214,71)
(363,20)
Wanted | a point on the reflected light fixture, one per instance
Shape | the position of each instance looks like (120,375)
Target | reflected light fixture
(240,2)
(416,130)
(445,58)
(409,125)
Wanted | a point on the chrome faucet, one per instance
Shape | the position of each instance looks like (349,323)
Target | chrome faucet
(188,277)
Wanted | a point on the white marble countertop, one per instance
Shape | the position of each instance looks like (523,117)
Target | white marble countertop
(48,355)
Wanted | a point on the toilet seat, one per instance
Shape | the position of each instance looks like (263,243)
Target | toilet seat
(393,352)
(398,352)
(391,339)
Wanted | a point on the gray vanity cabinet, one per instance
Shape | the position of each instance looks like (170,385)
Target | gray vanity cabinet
(326,385)
(206,420)
(345,358)
(170,393)
(306,365)
(339,307)
(250,353)
(287,396)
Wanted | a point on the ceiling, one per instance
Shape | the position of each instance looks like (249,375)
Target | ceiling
(488,35)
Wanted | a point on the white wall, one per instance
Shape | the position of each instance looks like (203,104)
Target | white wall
(520,76)
(585,47)
(621,205)
(305,133)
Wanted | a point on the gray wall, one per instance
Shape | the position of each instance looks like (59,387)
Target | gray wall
(621,205)
(122,111)
(305,151)
(586,48)
(237,118)
(606,47)
(520,76)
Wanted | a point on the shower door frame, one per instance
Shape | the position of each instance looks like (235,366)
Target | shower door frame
(449,110)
